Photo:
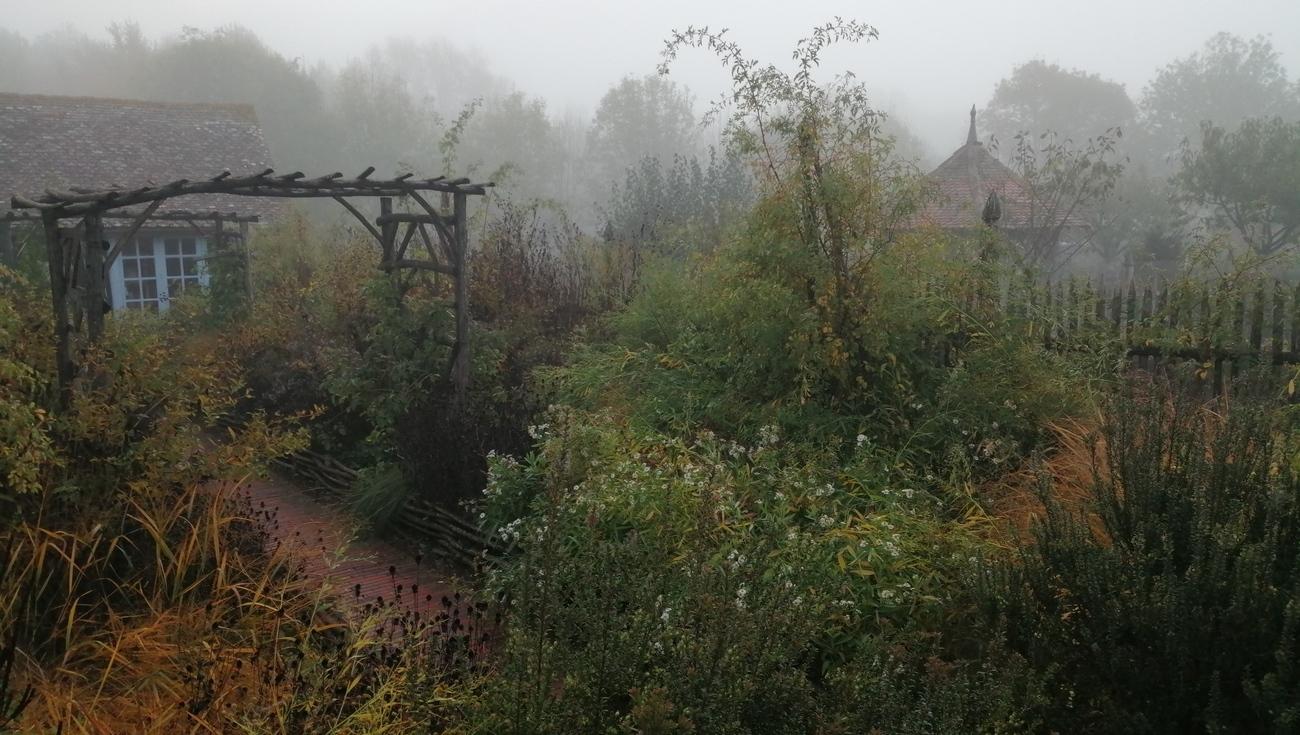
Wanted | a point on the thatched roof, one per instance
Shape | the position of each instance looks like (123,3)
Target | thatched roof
(962,186)
(92,143)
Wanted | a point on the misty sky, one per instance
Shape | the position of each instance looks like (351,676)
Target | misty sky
(934,57)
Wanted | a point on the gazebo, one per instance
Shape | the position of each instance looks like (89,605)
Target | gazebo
(965,183)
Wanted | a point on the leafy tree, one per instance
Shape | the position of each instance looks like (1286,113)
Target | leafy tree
(1228,80)
(636,118)
(386,125)
(830,184)
(1141,224)
(511,140)
(232,64)
(14,53)
(1040,97)
(1249,180)
(1065,182)
(686,205)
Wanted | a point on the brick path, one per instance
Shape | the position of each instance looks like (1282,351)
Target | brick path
(332,549)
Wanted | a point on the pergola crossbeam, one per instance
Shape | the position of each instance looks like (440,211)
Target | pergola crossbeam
(263,184)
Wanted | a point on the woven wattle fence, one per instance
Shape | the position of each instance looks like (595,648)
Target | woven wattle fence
(440,531)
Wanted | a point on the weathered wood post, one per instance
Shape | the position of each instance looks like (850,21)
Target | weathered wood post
(387,233)
(93,229)
(8,254)
(460,361)
(54,251)
(247,256)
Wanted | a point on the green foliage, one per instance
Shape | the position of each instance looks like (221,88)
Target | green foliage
(1174,605)
(650,117)
(730,581)
(689,207)
(1230,78)
(378,494)
(1064,181)
(1249,179)
(1040,97)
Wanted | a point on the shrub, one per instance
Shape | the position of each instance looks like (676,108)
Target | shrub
(1180,612)
(723,582)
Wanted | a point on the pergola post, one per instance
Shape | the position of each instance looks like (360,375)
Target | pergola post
(93,249)
(247,260)
(54,251)
(387,234)
(8,254)
(460,247)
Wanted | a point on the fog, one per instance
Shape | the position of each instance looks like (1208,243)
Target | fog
(933,58)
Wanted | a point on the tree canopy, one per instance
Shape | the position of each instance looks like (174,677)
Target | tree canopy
(1249,180)
(1229,79)
(1040,97)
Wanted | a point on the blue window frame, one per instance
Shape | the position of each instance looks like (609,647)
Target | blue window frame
(152,270)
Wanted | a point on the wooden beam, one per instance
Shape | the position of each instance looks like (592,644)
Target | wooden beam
(79,202)
(428,244)
(415,217)
(59,296)
(8,253)
(130,233)
(406,240)
(388,233)
(423,265)
(439,223)
(361,218)
(248,263)
(460,364)
(93,247)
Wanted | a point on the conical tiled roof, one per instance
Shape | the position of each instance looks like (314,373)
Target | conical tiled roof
(963,183)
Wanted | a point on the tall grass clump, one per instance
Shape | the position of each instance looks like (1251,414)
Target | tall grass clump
(1173,603)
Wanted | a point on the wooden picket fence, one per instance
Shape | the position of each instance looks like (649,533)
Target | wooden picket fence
(1224,326)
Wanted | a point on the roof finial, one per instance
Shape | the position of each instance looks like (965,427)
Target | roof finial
(971,137)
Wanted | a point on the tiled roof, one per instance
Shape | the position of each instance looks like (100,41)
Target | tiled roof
(63,142)
(962,185)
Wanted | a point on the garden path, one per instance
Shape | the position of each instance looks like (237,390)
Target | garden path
(362,569)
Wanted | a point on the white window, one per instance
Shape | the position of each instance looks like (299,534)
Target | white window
(152,270)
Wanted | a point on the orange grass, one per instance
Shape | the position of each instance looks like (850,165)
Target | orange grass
(200,631)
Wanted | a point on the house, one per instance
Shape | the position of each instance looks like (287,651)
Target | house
(963,185)
(59,143)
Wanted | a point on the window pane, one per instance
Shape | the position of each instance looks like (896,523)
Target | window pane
(133,289)
(149,289)
(173,246)
(187,246)
(191,266)
(147,268)
(173,267)
(144,247)
(129,248)
(130,268)
(174,287)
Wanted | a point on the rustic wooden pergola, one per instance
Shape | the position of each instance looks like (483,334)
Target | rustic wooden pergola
(78,271)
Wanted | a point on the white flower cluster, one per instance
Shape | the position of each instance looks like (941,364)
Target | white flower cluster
(510,532)
(823,491)
(741,593)
(735,559)
(769,435)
